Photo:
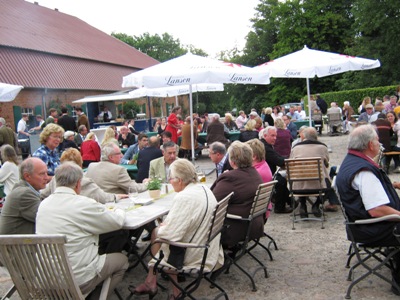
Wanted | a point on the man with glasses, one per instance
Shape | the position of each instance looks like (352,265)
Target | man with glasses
(109,176)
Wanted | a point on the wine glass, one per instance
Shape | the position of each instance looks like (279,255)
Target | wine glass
(133,195)
(201,176)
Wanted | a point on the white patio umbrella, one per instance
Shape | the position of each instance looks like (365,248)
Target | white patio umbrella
(190,69)
(175,90)
(8,92)
(308,63)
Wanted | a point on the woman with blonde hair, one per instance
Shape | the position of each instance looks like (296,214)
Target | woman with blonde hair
(50,138)
(229,123)
(9,174)
(109,136)
(90,150)
(283,139)
(249,132)
(268,119)
(361,108)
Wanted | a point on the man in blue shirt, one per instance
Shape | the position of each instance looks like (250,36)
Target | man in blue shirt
(130,156)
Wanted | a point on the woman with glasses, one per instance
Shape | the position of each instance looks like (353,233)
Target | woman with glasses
(50,138)
(188,222)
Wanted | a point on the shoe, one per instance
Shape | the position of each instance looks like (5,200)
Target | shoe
(316,211)
(143,289)
(283,211)
(346,132)
(146,238)
(397,170)
(331,208)
(303,211)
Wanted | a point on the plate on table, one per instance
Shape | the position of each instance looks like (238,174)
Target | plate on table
(143,201)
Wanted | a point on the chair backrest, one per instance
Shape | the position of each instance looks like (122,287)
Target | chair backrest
(304,169)
(262,199)
(218,219)
(39,266)
(334,118)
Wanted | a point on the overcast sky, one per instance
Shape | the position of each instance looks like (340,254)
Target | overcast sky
(211,25)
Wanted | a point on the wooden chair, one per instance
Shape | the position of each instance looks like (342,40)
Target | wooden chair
(215,227)
(306,170)
(39,267)
(334,123)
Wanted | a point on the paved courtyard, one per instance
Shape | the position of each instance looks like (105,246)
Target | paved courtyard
(310,262)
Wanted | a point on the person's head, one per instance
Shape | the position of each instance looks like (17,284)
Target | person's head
(71,154)
(382,116)
(181,173)
(258,150)
(215,118)
(163,121)
(78,110)
(154,141)
(278,123)
(126,123)
(364,139)
(299,108)
(39,118)
(286,119)
(82,130)
(51,136)
(241,113)
(105,108)
(69,135)
(393,100)
(269,135)
(110,152)
(366,100)
(64,110)
(109,134)
(90,136)
(69,174)
(268,111)
(124,130)
(169,152)
(250,125)
(310,134)
(346,104)
(259,122)
(301,131)
(276,109)
(25,117)
(34,171)
(217,151)
(7,153)
(166,136)
(176,110)
(253,115)
(369,108)
(143,140)
(132,122)
(240,155)
(391,117)
(291,109)
(228,118)
(53,112)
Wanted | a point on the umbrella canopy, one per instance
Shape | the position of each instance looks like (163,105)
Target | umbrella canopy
(175,90)
(8,92)
(308,63)
(192,69)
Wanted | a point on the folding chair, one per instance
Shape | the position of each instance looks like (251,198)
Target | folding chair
(259,208)
(306,170)
(39,267)
(215,227)
(373,257)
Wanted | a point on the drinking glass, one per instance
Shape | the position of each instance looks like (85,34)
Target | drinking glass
(133,195)
(201,176)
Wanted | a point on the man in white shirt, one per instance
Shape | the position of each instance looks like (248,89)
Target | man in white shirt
(82,220)
(22,128)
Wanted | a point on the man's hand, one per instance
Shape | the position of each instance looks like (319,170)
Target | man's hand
(396,185)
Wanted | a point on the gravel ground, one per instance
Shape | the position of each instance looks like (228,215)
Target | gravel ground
(310,262)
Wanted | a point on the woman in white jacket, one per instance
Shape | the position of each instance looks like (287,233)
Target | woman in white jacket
(9,174)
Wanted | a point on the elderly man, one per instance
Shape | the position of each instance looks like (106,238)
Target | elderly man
(108,175)
(146,156)
(130,156)
(366,191)
(21,205)
(216,132)
(334,114)
(7,136)
(82,219)
(311,147)
(80,137)
(392,104)
(126,138)
(219,156)
(367,116)
(160,167)
(274,160)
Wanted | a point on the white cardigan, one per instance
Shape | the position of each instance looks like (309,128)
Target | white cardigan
(9,175)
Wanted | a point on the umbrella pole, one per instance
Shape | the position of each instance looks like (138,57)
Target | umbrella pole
(150,121)
(191,121)
(308,101)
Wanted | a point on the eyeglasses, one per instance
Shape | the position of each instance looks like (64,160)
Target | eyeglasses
(56,137)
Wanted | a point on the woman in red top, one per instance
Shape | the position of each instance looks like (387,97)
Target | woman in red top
(90,150)
(173,123)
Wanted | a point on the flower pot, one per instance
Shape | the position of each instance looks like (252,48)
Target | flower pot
(155,194)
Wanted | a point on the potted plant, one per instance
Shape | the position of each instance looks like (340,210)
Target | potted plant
(154,187)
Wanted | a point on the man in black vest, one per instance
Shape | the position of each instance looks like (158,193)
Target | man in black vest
(366,191)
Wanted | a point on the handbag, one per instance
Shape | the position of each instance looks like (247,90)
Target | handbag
(177,254)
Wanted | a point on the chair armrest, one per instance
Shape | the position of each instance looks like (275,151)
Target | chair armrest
(178,244)
(392,217)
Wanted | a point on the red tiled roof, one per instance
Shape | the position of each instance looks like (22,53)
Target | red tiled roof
(42,70)
(31,26)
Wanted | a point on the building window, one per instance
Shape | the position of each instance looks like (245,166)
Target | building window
(28,111)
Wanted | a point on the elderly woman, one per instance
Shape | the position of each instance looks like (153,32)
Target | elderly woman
(243,180)
(229,123)
(9,174)
(283,138)
(90,150)
(89,188)
(268,119)
(249,132)
(50,138)
(187,221)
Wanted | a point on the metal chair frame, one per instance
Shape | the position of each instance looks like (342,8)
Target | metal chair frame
(305,169)
(39,267)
